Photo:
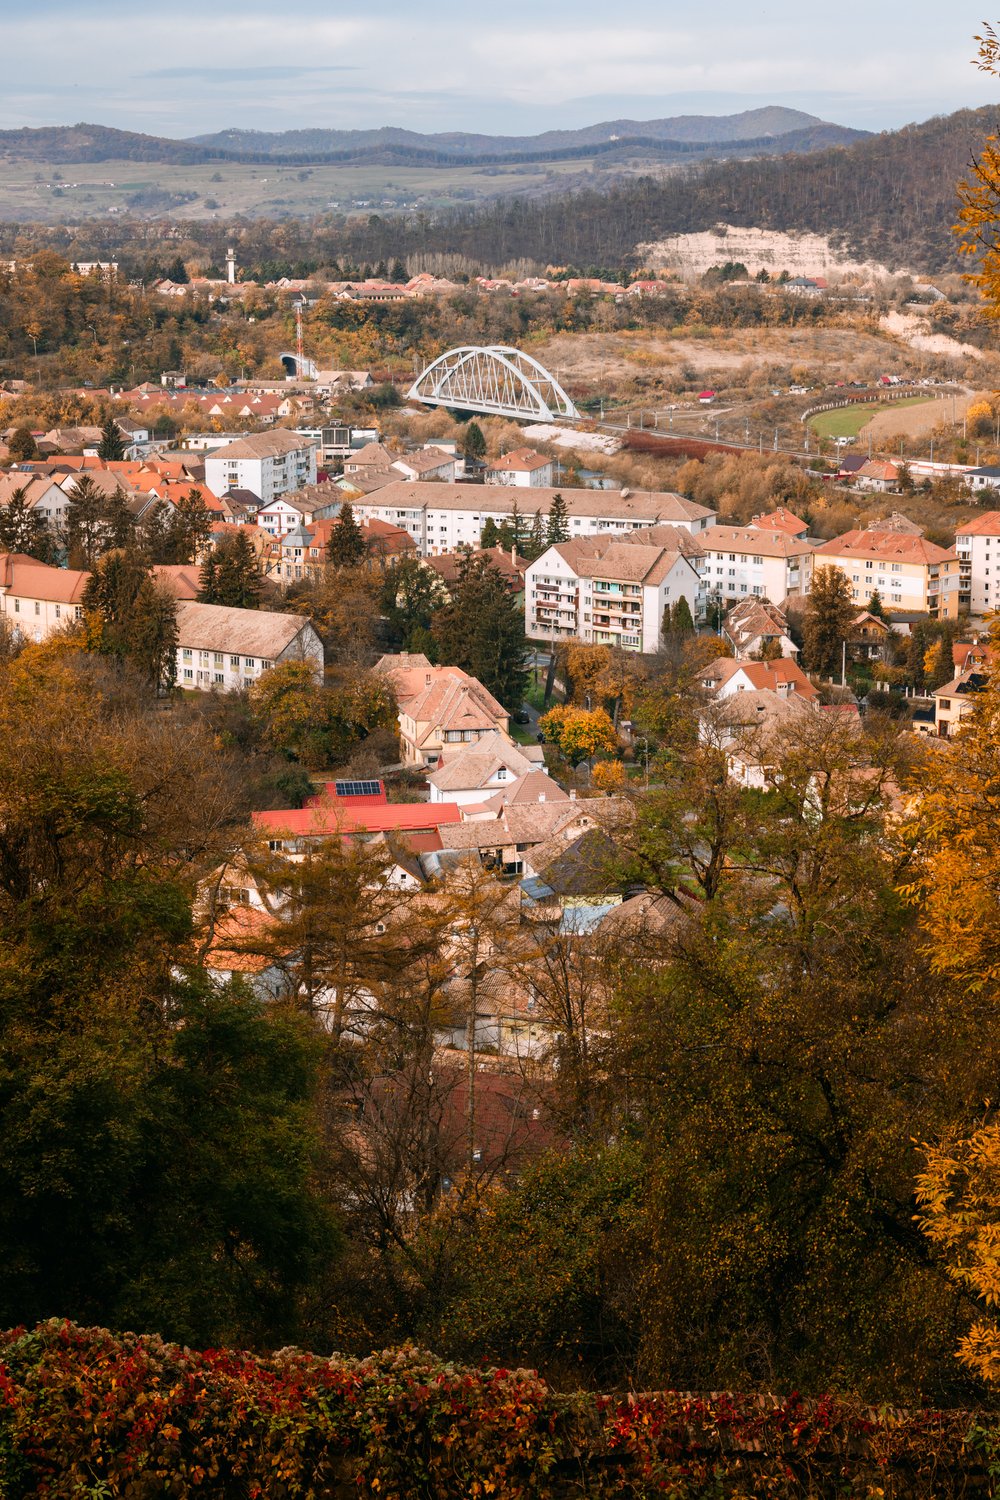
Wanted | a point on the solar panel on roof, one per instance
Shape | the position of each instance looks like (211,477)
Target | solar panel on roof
(358,788)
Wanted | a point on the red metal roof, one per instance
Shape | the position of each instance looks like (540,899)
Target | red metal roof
(347,815)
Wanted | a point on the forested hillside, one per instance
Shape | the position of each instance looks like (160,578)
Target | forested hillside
(890,198)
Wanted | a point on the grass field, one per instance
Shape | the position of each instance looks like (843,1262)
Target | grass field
(37,191)
(847,421)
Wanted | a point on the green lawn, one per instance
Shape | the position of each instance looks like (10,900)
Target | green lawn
(847,421)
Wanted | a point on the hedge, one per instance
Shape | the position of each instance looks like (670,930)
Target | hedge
(84,1412)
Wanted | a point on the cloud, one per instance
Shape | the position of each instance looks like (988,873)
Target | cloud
(250,74)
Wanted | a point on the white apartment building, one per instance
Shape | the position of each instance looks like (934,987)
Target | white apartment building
(611,590)
(266,463)
(739,562)
(977,543)
(226,650)
(443,517)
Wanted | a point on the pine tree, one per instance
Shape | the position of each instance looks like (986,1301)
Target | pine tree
(516,527)
(112,445)
(153,636)
(23,529)
(119,522)
(916,650)
(347,547)
(536,541)
(681,619)
(237,572)
(84,534)
(188,528)
(558,528)
(875,606)
(473,444)
(490,534)
(482,631)
(829,613)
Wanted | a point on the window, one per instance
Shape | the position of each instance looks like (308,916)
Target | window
(17,606)
(758,562)
(219,678)
(38,607)
(58,611)
(188,674)
(217,658)
(234,661)
(187,654)
(248,661)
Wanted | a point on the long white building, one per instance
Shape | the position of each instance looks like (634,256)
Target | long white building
(443,517)
(977,543)
(612,590)
(739,562)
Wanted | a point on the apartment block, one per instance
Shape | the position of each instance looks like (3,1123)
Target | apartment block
(741,562)
(267,464)
(611,590)
(977,543)
(909,572)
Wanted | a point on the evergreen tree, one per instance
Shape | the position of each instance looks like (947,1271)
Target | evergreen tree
(153,635)
(916,650)
(84,534)
(111,448)
(23,529)
(153,532)
(230,574)
(482,631)
(516,527)
(188,528)
(535,545)
(827,621)
(177,271)
(347,547)
(490,534)
(940,665)
(473,444)
(411,594)
(558,528)
(875,606)
(119,522)
(398,273)
(681,619)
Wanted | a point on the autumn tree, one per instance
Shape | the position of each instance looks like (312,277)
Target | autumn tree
(827,620)
(21,445)
(579,733)
(148,1115)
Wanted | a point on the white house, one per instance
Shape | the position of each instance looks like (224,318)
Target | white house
(443,517)
(426,464)
(477,771)
(266,463)
(228,649)
(610,589)
(523,469)
(37,600)
(977,543)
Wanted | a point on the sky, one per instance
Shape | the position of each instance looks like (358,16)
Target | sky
(518,68)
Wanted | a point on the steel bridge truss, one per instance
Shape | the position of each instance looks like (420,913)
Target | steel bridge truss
(496,381)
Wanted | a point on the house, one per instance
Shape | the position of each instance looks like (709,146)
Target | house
(956,700)
(740,561)
(372,458)
(438,707)
(299,507)
(41,493)
(877,474)
(476,771)
(781,520)
(267,463)
(522,468)
(510,565)
(426,464)
(610,590)
(35,599)
(225,650)
(756,626)
(291,830)
(751,728)
(977,543)
(782,676)
(909,572)
(867,636)
(443,517)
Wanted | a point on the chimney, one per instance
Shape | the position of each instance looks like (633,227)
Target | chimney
(572,795)
(513,554)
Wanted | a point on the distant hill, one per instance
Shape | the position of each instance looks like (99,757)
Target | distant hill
(756,132)
(756,125)
(890,198)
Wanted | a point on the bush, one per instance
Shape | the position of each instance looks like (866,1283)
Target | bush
(83,1412)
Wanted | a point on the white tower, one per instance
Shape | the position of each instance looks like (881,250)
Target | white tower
(231,266)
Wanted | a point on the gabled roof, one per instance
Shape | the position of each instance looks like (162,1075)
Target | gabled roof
(25,578)
(988,524)
(520,461)
(262,445)
(782,673)
(753,539)
(247,632)
(894,546)
(781,520)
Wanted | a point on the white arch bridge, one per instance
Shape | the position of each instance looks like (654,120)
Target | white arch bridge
(497,381)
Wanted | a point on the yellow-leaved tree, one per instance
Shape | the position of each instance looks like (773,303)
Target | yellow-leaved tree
(978,226)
